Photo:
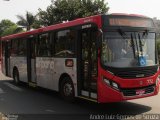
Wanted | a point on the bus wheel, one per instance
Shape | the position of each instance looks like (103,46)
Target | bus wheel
(67,89)
(16,76)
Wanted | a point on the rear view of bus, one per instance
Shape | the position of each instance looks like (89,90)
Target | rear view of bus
(128,64)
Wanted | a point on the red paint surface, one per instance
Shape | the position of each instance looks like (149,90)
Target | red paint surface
(108,94)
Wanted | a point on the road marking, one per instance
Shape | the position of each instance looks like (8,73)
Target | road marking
(13,86)
(51,111)
(1,90)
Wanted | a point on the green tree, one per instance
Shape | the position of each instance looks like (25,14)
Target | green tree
(63,10)
(4,24)
(72,9)
(7,27)
(27,21)
(12,30)
(47,17)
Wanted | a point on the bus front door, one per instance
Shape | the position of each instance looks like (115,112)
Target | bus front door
(31,59)
(87,63)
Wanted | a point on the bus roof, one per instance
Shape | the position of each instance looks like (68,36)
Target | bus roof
(91,19)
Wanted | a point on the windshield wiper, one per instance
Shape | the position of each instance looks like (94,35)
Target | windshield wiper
(133,46)
(145,32)
(122,33)
(133,42)
(140,44)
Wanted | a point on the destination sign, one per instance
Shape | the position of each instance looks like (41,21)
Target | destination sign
(132,22)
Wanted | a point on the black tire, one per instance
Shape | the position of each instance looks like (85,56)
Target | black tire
(67,89)
(16,76)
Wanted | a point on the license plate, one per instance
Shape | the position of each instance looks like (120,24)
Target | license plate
(140,92)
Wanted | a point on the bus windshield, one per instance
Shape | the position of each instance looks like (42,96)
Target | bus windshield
(128,49)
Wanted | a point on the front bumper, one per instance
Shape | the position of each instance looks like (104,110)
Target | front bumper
(108,94)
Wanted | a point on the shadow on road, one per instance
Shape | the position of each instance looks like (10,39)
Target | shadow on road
(123,108)
(42,101)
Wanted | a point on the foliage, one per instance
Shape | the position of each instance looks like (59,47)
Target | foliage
(27,21)
(12,30)
(64,10)
(7,27)
(4,24)
(47,17)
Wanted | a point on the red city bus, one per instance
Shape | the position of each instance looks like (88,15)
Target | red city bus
(102,58)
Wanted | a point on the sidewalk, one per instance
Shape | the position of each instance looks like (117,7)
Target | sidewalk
(2,76)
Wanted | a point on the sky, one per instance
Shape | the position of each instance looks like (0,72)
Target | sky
(9,9)
(150,8)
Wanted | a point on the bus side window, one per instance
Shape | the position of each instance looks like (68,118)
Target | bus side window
(65,43)
(51,45)
(3,48)
(14,47)
(44,45)
(22,47)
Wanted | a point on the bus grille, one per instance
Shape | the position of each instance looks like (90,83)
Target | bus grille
(136,73)
(132,92)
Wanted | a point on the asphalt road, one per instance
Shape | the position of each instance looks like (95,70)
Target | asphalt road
(39,104)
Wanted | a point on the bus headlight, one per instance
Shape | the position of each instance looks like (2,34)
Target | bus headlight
(111,84)
(107,81)
(115,85)
(157,80)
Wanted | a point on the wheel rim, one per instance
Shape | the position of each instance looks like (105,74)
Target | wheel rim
(68,90)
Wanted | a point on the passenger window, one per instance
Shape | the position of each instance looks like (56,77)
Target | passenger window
(65,43)
(21,47)
(18,47)
(44,45)
(14,47)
